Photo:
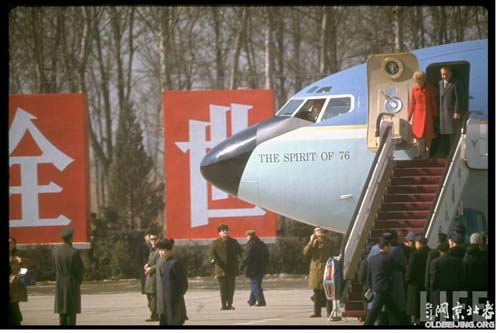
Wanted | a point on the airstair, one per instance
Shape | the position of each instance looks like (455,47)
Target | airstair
(403,196)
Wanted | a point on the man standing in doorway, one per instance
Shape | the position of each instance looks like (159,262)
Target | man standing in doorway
(223,254)
(450,106)
(69,276)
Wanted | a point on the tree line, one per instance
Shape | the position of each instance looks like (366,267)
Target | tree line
(122,58)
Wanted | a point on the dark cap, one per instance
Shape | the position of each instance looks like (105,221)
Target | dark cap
(66,232)
(250,233)
(411,236)
(420,238)
(458,238)
(166,244)
(222,227)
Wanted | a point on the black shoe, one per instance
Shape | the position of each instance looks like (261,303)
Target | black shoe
(151,319)
(224,308)
(251,303)
(314,315)
(230,307)
(261,304)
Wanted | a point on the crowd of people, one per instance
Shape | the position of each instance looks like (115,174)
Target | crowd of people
(165,281)
(395,272)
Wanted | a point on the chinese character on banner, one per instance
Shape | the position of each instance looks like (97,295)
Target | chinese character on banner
(194,122)
(48,167)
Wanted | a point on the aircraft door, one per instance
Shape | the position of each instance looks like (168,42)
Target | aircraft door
(390,80)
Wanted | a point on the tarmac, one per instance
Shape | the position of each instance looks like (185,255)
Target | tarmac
(120,303)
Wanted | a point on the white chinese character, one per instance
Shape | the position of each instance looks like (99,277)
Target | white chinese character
(29,188)
(488,312)
(457,311)
(442,309)
(428,311)
(197,147)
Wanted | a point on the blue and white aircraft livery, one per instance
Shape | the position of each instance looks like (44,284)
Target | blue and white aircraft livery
(310,161)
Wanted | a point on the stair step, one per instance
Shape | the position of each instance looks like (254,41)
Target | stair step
(435,162)
(427,171)
(354,305)
(417,180)
(355,313)
(392,198)
(393,189)
(393,215)
(406,206)
(390,224)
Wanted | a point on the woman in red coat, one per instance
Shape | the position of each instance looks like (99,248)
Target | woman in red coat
(422,110)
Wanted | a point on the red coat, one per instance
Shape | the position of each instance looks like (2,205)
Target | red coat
(423,110)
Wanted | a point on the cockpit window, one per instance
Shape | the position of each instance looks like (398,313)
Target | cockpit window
(324,90)
(311,110)
(290,107)
(337,106)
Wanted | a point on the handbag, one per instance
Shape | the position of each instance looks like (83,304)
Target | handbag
(368,295)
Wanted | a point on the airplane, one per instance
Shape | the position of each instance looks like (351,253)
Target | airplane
(313,160)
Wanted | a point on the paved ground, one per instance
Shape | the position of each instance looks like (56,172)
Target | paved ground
(121,303)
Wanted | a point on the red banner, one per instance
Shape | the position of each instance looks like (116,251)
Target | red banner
(194,122)
(48,167)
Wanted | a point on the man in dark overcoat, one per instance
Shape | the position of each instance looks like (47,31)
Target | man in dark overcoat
(223,253)
(150,272)
(415,277)
(380,269)
(450,104)
(446,274)
(172,284)
(69,276)
(319,249)
(141,258)
(254,263)
(431,255)
(476,265)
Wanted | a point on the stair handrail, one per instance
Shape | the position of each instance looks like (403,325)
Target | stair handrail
(357,232)
(443,210)
(454,156)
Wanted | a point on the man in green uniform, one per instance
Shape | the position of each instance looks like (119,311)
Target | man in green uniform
(223,253)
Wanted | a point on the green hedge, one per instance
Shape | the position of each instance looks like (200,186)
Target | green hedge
(112,254)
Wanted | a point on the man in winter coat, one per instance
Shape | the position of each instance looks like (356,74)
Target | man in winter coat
(415,277)
(172,284)
(150,272)
(319,249)
(446,274)
(380,269)
(223,253)
(254,263)
(450,104)
(69,276)
(17,291)
(476,265)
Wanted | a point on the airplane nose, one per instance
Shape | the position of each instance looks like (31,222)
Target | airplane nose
(223,166)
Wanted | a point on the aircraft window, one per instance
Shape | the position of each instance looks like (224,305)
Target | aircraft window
(311,110)
(324,90)
(290,107)
(337,106)
(310,91)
